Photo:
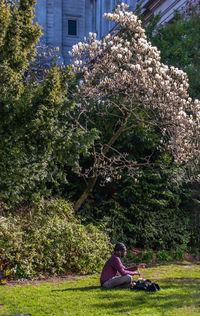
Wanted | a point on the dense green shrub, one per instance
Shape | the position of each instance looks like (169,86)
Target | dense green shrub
(154,256)
(145,213)
(177,255)
(47,239)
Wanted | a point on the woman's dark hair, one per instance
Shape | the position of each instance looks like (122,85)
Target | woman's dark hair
(119,247)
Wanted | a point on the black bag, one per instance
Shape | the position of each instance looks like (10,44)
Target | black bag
(146,285)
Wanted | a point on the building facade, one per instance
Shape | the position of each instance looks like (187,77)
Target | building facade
(166,8)
(66,22)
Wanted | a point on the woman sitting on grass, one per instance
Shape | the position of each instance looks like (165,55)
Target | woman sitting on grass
(109,278)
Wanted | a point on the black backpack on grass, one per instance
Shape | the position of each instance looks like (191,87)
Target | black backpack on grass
(146,285)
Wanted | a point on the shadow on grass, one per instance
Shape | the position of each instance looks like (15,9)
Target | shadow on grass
(166,300)
(85,288)
(175,294)
(170,283)
(89,288)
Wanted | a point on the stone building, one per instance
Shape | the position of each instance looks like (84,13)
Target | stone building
(66,22)
(166,8)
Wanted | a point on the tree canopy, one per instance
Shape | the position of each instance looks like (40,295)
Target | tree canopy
(124,81)
(179,41)
(37,138)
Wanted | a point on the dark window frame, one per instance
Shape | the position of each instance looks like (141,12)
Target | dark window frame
(73,29)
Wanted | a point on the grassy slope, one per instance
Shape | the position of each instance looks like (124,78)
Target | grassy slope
(180,295)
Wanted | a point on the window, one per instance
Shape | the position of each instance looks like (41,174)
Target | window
(72,27)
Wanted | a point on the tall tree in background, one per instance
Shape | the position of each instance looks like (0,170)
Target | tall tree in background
(36,137)
(125,83)
(179,43)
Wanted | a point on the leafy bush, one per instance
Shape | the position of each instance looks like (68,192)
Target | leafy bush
(48,239)
(145,214)
(149,256)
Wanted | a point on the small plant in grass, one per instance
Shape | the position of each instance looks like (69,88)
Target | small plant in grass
(163,255)
(177,255)
(148,256)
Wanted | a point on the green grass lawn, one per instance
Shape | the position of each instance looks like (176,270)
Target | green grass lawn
(180,295)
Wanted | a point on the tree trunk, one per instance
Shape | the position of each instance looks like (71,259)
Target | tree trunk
(86,193)
(93,180)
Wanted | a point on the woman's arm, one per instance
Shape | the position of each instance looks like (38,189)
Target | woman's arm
(139,266)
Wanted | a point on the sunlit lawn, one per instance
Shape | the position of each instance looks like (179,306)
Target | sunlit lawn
(180,295)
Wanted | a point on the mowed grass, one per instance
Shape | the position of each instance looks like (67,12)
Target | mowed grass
(180,295)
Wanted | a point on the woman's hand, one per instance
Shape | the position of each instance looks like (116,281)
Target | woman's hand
(137,272)
(141,265)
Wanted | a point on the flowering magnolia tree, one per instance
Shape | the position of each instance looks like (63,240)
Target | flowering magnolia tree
(124,80)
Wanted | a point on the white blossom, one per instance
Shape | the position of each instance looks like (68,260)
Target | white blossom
(134,69)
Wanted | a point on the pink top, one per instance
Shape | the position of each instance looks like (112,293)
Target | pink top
(112,266)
